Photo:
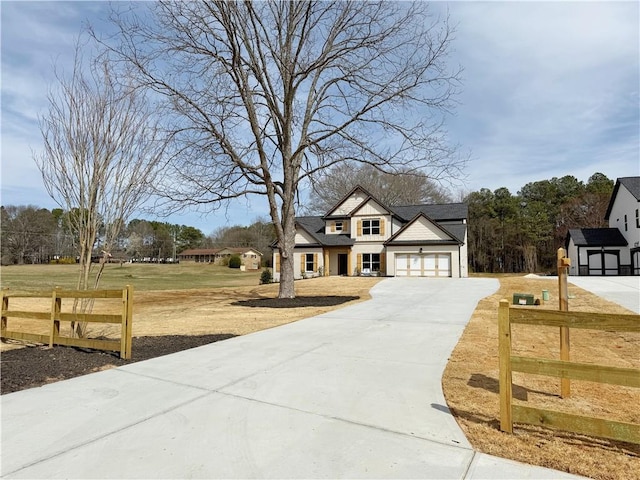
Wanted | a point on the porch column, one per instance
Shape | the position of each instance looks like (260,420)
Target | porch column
(326,262)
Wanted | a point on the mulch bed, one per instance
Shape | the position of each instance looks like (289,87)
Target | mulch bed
(297,302)
(35,366)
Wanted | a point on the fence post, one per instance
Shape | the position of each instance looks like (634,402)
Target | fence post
(5,307)
(504,349)
(56,308)
(563,290)
(127,320)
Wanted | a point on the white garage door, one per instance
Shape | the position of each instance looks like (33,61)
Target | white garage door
(423,265)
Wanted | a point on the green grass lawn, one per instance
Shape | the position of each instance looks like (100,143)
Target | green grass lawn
(182,276)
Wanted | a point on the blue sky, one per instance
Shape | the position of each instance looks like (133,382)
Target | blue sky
(550,89)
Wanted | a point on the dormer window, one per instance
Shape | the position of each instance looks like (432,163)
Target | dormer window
(338,226)
(371,227)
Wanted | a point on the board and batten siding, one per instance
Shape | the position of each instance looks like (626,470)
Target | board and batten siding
(303,238)
(349,204)
(422,229)
(371,208)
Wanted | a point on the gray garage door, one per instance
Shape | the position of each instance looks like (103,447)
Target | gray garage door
(423,264)
(603,262)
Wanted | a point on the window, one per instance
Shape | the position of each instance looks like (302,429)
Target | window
(371,227)
(308,262)
(371,262)
(637,218)
(625,223)
(338,226)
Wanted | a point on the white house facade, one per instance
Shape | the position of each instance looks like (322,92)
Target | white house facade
(614,250)
(362,236)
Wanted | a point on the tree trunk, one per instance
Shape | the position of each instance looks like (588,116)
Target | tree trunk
(287,244)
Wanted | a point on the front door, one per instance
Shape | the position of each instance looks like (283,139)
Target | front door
(343,264)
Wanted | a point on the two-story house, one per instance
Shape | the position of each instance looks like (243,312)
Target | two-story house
(362,236)
(614,250)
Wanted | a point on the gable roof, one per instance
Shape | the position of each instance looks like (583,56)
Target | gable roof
(597,237)
(213,251)
(453,238)
(200,251)
(343,199)
(366,201)
(240,250)
(437,212)
(631,183)
(314,226)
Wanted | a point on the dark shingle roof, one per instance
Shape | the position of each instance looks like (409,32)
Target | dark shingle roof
(315,227)
(631,183)
(439,213)
(455,231)
(597,237)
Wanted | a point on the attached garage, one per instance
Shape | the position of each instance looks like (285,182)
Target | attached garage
(423,264)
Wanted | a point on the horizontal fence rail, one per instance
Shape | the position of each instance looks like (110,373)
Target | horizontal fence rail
(54,316)
(628,377)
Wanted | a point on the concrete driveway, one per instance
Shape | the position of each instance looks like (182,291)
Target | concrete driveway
(355,393)
(624,291)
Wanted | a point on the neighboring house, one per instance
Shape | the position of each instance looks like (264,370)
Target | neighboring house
(251,258)
(362,236)
(614,250)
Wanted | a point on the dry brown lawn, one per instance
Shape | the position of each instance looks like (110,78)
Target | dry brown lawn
(470,381)
(229,310)
(470,384)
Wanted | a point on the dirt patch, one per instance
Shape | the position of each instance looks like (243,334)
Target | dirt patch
(471,386)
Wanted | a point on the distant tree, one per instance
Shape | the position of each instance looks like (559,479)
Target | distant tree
(402,188)
(483,232)
(235,261)
(522,233)
(600,184)
(266,95)
(259,235)
(163,240)
(101,151)
(586,210)
(188,237)
(140,238)
(28,234)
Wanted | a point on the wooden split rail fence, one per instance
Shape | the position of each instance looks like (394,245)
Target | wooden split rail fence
(564,369)
(55,315)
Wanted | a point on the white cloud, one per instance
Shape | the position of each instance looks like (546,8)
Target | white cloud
(551,89)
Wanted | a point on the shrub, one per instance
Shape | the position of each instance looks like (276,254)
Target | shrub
(235,261)
(266,276)
(63,261)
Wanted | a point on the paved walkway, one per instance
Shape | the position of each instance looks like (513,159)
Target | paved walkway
(355,393)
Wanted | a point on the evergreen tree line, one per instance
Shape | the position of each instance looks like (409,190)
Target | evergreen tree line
(521,233)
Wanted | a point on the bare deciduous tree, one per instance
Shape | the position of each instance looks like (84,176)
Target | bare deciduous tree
(101,152)
(265,95)
(390,188)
